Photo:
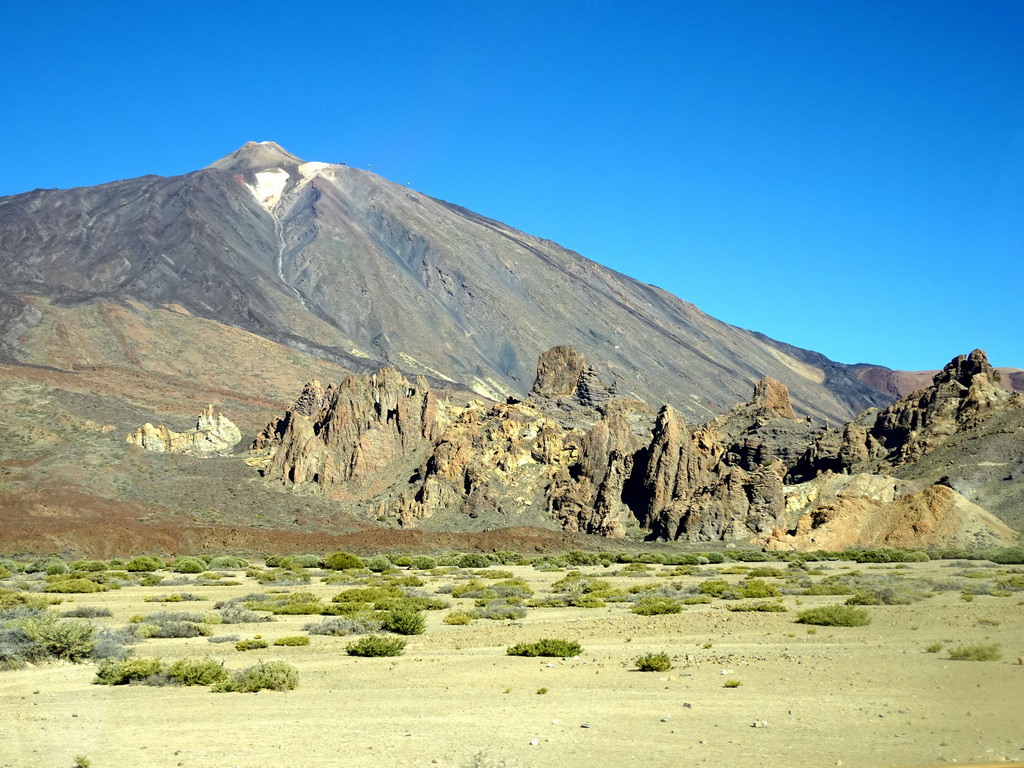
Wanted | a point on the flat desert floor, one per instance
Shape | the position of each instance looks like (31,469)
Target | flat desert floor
(824,696)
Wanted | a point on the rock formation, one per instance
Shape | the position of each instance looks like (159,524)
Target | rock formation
(353,431)
(962,395)
(212,434)
(573,455)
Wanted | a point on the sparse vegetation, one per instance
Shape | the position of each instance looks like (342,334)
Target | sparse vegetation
(292,640)
(376,645)
(835,616)
(265,676)
(654,662)
(546,647)
(976,653)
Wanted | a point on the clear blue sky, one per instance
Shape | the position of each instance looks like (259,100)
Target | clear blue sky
(843,176)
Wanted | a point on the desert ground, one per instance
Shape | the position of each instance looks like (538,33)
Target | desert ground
(867,696)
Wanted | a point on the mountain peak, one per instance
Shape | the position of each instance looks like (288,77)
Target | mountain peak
(257,156)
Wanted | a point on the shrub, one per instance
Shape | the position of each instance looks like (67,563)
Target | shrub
(732,684)
(546,647)
(379,564)
(1008,556)
(473,560)
(376,645)
(835,616)
(204,671)
(18,648)
(144,564)
(73,586)
(227,563)
(654,662)
(188,565)
(713,587)
(458,617)
(88,565)
(404,622)
(654,606)
(343,561)
(292,640)
(250,645)
(933,648)
(976,653)
(763,607)
(422,563)
(86,612)
(51,565)
(66,639)
(114,672)
(341,626)
(755,588)
(267,675)
(499,610)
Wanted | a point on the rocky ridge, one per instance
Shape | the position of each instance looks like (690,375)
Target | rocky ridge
(614,467)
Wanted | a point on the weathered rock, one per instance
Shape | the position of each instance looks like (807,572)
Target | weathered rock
(214,433)
(558,372)
(962,395)
(352,431)
(861,510)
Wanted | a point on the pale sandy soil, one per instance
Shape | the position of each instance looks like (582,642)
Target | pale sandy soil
(857,697)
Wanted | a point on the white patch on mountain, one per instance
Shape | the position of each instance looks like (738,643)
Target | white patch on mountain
(268,187)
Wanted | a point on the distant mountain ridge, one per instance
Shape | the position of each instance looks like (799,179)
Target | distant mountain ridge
(362,272)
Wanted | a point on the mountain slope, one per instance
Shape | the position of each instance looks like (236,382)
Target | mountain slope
(361,271)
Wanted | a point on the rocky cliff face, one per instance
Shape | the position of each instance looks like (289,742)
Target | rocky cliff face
(213,433)
(354,431)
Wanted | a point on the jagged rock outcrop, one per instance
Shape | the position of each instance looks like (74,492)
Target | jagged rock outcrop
(352,431)
(610,466)
(214,433)
(962,395)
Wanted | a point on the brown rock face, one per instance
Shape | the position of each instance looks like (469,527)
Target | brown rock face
(352,431)
(558,372)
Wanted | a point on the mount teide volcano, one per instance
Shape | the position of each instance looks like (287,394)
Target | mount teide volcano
(361,272)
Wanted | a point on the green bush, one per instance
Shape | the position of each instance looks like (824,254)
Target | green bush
(546,647)
(267,675)
(204,671)
(376,645)
(654,662)
(835,616)
(654,606)
(144,564)
(227,563)
(458,617)
(755,588)
(404,622)
(113,672)
(473,560)
(976,653)
(343,561)
(250,645)
(66,639)
(422,563)
(713,587)
(51,565)
(188,565)
(292,640)
(379,564)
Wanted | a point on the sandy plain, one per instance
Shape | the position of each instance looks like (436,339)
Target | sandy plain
(858,697)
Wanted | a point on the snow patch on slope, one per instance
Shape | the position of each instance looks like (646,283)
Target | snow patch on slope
(268,187)
(309,169)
